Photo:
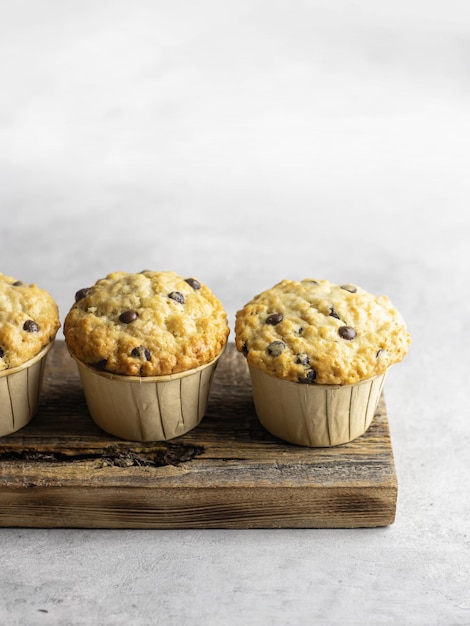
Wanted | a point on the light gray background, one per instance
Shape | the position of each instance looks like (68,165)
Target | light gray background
(242,143)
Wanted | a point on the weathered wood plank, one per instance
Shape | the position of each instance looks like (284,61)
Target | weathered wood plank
(62,470)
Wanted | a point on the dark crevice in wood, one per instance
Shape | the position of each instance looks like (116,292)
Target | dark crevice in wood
(118,456)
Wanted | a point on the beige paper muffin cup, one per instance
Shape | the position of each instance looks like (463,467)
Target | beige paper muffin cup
(147,408)
(315,415)
(20,388)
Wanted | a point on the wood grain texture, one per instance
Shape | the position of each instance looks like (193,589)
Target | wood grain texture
(62,471)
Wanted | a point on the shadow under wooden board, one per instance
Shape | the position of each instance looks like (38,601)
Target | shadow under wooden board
(63,471)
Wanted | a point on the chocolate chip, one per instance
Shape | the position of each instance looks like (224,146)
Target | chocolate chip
(18,283)
(300,330)
(141,352)
(177,296)
(274,319)
(30,326)
(100,365)
(350,288)
(303,358)
(309,378)
(128,316)
(82,293)
(195,284)
(2,354)
(244,349)
(346,332)
(276,348)
(333,313)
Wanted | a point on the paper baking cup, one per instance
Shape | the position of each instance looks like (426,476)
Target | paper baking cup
(20,388)
(315,415)
(147,408)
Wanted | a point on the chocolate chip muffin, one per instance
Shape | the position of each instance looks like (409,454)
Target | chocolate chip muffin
(318,354)
(146,324)
(315,331)
(29,321)
(146,346)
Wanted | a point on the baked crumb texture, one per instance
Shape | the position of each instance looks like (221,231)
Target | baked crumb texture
(29,321)
(146,324)
(317,332)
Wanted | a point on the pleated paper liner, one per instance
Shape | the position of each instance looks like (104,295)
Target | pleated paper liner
(147,408)
(20,389)
(315,415)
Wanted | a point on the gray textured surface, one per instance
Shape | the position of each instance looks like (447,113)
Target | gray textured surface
(244,143)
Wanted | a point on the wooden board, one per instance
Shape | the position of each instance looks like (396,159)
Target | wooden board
(62,471)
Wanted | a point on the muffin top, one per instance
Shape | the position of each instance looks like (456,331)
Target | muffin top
(146,324)
(29,320)
(314,331)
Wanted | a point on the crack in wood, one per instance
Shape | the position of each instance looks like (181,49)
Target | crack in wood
(110,456)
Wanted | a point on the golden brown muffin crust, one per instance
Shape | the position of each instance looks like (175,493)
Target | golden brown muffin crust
(315,331)
(29,320)
(146,324)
